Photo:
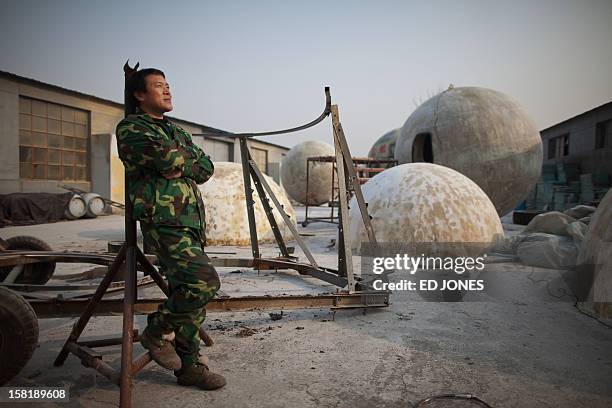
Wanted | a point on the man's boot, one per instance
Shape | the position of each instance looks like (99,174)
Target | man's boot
(162,351)
(200,376)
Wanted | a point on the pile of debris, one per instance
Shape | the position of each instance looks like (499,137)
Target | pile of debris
(553,239)
(578,239)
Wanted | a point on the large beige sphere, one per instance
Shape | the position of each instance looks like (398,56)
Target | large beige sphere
(423,202)
(293,173)
(596,255)
(481,133)
(226,212)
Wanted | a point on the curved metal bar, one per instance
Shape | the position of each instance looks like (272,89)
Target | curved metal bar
(323,115)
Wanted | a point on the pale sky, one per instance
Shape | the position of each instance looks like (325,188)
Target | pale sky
(262,65)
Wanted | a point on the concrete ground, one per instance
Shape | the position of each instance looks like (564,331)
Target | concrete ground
(519,352)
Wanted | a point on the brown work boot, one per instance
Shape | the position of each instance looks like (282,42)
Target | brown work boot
(162,351)
(199,375)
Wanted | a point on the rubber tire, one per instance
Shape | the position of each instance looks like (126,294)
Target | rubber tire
(18,333)
(32,274)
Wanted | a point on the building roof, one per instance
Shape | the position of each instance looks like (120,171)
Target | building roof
(577,116)
(222,133)
(207,130)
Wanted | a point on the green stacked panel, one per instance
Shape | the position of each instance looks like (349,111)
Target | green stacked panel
(586,188)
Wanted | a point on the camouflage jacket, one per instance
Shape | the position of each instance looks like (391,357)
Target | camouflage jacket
(150,154)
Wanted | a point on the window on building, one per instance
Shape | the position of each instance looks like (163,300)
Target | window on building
(603,136)
(53,141)
(261,158)
(558,146)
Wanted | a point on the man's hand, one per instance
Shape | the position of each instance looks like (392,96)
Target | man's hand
(173,174)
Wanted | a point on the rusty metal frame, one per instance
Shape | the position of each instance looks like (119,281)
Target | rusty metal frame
(334,196)
(112,307)
(345,168)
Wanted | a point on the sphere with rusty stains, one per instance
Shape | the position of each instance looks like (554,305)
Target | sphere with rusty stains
(293,173)
(226,212)
(384,147)
(481,133)
(417,203)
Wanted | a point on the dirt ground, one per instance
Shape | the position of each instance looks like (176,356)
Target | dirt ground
(517,352)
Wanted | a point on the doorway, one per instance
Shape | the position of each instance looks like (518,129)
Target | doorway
(422,149)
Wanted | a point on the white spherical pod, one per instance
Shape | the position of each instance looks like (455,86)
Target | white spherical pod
(293,173)
(423,202)
(226,212)
(481,133)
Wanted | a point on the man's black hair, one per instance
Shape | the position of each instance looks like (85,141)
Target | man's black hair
(137,83)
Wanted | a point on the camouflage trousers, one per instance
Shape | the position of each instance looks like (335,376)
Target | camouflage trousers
(192,280)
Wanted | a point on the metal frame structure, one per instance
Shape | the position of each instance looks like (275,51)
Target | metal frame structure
(333,204)
(358,293)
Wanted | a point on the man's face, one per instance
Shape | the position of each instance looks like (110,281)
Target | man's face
(157,99)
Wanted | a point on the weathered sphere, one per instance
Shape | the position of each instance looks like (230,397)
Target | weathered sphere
(384,147)
(293,173)
(596,255)
(423,202)
(482,134)
(226,214)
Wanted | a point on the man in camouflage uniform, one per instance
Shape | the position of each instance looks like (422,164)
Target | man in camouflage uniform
(163,168)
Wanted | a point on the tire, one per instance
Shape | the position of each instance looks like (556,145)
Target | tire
(33,274)
(18,334)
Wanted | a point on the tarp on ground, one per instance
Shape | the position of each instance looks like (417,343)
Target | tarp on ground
(32,208)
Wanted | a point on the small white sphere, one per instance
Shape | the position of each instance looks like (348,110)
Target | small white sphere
(293,173)
(226,212)
(424,202)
